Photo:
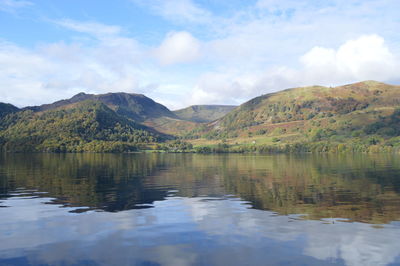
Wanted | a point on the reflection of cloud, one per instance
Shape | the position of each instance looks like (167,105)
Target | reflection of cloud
(173,256)
(356,244)
(222,217)
(186,231)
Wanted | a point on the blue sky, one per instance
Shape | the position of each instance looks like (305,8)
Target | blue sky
(182,52)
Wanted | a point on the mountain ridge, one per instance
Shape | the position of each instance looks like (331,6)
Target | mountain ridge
(135,106)
(366,113)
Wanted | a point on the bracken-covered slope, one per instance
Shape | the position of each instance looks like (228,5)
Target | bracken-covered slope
(310,114)
(308,102)
(84,126)
(204,113)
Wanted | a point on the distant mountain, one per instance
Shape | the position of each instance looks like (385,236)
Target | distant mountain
(84,126)
(134,106)
(203,113)
(6,108)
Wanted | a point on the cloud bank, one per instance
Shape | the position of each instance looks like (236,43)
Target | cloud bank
(203,55)
(364,58)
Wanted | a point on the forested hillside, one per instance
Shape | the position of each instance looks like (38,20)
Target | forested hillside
(6,108)
(85,126)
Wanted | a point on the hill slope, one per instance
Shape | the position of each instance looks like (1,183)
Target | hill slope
(203,113)
(309,102)
(6,108)
(354,112)
(84,126)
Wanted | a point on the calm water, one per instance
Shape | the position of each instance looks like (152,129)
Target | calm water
(177,209)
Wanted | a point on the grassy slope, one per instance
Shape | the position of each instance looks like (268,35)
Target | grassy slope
(203,113)
(171,126)
(300,114)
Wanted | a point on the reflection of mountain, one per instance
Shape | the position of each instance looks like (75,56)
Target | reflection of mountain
(360,188)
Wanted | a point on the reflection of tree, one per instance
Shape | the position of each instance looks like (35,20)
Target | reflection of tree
(358,187)
(106,181)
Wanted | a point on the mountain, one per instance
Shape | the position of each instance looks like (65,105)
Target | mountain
(134,106)
(84,126)
(356,112)
(203,113)
(6,108)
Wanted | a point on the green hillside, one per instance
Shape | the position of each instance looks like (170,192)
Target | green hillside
(203,113)
(85,126)
(362,114)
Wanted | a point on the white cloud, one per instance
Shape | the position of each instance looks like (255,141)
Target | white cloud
(109,63)
(93,28)
(366,57)
(177,10)
(58,70)
(221,87)
(363,58)
(178,47)
(275,5)
(117,63)
(12,5)
(228,56)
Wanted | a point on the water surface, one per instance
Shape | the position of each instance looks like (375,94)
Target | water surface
(187,209)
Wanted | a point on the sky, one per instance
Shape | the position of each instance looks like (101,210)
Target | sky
(184,52)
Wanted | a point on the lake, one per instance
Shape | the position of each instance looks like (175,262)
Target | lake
(192,209)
